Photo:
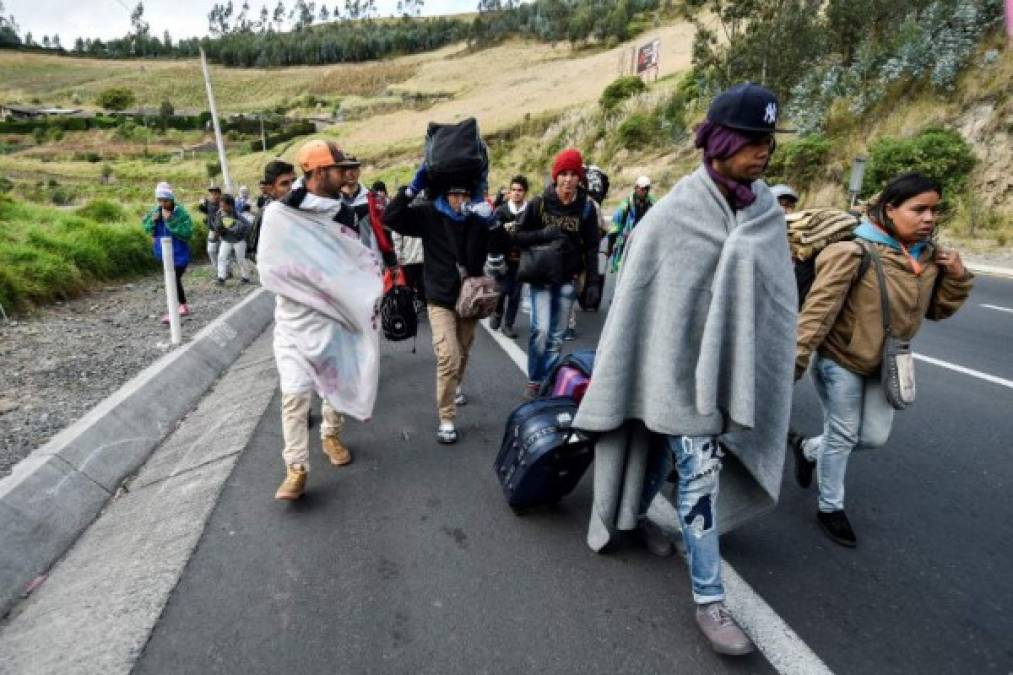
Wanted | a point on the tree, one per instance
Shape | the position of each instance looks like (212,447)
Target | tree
(265,19)
(138,26)
(167,40)
(325,14)
(79,46)
(55,42)
(115,98)
(45,42)
(279,15)
(8,30)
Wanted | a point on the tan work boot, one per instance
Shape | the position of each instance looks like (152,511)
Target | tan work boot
(295,482)
(336,451)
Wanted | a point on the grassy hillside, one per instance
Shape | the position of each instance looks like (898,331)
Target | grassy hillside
(389,106)
(48,253)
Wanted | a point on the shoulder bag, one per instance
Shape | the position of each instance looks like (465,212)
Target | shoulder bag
(898,368)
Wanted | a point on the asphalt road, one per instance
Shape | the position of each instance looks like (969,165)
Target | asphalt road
(409,560)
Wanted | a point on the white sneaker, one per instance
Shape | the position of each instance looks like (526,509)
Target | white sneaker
(447,433)
(460,398)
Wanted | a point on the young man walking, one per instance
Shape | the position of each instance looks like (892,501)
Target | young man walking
(209,207)
(278,178)
(327,279)
(232,228)
(626,217)
(695,359)
(508,214)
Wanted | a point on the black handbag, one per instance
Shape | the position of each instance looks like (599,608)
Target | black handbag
(542,264)
(897,372)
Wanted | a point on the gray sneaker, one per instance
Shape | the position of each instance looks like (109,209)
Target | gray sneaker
(720,628)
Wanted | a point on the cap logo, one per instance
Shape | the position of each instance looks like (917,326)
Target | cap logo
(770,115)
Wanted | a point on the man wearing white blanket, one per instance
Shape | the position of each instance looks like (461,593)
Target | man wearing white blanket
(325,270)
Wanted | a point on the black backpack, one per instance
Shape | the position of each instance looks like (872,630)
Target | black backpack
(597,183)
(455,154)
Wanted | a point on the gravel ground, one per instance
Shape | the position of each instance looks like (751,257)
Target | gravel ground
(60,362)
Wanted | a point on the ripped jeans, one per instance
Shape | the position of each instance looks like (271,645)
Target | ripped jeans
(698,461)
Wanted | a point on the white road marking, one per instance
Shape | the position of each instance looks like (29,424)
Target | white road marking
(998,308)
(782,647)
(966,371)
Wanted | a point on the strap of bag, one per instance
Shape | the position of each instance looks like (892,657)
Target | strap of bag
(884,299)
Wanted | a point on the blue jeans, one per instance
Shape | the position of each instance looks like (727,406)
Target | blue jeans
(856,415)
(698,461)
(550,312)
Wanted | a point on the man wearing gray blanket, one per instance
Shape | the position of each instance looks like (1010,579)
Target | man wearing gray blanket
(694,366)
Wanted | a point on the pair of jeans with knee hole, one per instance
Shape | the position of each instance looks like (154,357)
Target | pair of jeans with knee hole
(698,462)
(856,415)
(550,314)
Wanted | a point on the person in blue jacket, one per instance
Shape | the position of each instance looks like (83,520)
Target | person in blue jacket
(170,219)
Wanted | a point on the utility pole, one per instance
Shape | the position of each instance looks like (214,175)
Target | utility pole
(218,129)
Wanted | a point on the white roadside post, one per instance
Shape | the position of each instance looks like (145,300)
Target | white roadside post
(172,300)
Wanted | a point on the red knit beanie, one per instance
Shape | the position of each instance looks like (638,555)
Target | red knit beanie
(568,160)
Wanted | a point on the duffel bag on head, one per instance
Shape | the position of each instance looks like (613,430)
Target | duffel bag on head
(478,298)
(398,316)
(455,154)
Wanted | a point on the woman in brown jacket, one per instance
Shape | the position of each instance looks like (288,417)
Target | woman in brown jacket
(841,322)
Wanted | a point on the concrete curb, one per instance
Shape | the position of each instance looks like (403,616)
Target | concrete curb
(991,270)
(53,495)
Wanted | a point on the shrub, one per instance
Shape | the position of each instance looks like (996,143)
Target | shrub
(939,153)
(115,98)
(54,134)
(102,211)
(639,130)
(48,254)
(798,162)
(6,185)
(620,90)
(673,116)
(39,135)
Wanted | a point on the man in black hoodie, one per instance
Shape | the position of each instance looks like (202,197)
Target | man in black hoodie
(559,237)
(457,236)
(508,213)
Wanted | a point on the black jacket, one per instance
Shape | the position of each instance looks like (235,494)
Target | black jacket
(546,218)
(445,243)
(508,220)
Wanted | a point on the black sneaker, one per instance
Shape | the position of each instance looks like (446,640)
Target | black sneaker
(509,331)
(837,527)
(803,466)
(494,321)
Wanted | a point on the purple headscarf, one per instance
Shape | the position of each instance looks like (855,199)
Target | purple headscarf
(721,142)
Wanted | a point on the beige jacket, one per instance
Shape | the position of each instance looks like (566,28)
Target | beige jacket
(842,319)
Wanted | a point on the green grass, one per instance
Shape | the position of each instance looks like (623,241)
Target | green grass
(49,254)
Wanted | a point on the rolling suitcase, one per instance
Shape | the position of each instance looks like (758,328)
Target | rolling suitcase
(541,459)
(571,376)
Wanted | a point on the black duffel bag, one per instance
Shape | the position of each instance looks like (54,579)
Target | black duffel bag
(455,154)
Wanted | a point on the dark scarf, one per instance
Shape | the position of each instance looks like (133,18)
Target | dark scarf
(721,142)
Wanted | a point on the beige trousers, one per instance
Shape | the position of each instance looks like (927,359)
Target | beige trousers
(295,428)
(452,338)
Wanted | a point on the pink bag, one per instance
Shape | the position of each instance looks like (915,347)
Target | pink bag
(570,382)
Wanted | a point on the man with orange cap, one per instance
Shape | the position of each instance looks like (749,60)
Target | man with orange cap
(325,271)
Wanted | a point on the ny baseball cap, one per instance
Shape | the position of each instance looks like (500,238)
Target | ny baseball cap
(747,107)
(317,154)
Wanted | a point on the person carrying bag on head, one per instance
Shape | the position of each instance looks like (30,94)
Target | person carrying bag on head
(865,306)
(459,234)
